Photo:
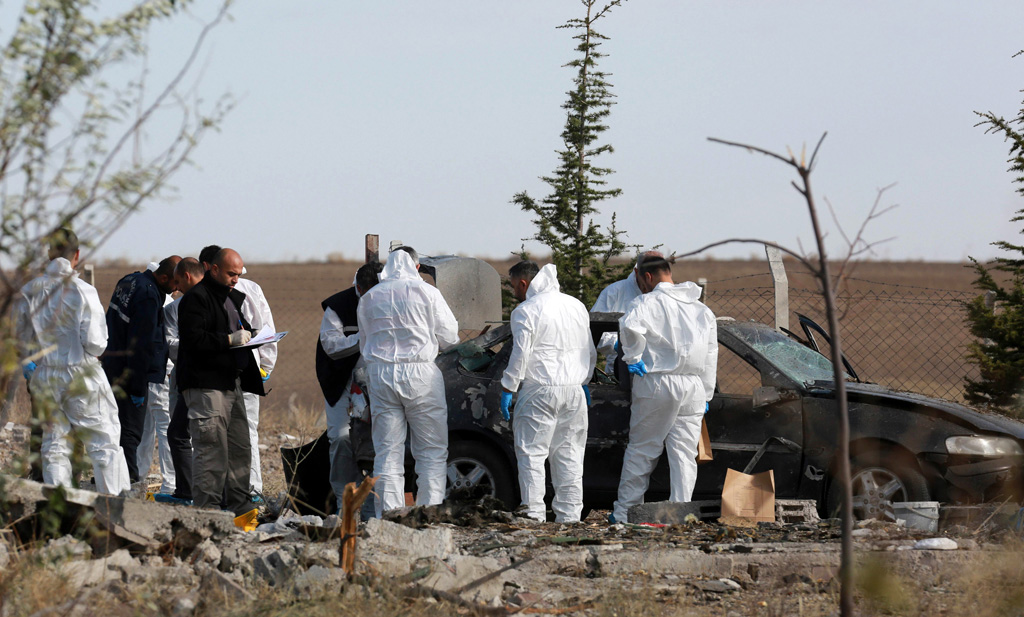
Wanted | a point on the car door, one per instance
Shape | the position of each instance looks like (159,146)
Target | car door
(607,436)
(740,422)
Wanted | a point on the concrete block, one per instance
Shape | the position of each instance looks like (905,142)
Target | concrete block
(275,568)
(207,552)
(318,579)
(88,573)
(462,569)
(673,513)
(64,548)
(393,539)
(218,589)
(793,511)
(120,559)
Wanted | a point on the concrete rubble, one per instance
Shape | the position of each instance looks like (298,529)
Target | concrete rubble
(470,554)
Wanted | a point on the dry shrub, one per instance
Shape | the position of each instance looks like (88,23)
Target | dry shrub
(883,590)
(995,586)
(27,586)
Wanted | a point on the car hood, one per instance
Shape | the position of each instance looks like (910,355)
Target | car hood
(983,422)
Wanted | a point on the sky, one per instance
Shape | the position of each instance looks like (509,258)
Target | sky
(420,121)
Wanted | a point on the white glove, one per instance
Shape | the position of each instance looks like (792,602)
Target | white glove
(240,337)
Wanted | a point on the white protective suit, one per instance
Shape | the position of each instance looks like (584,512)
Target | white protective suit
(158,417)
(614,298)
(402,323)
(339,342)
(553,356)
(677,338)
(60,310)
(171,333)
(256,311)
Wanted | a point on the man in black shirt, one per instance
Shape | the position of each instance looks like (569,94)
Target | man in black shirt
(214,369)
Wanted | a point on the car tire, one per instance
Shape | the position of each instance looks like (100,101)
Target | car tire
(877,477)
(476,468)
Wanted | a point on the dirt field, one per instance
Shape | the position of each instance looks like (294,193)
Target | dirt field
(885,296)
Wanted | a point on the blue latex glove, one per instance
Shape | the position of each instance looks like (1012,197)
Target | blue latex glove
(618,347)
(639,369)
(506,401)
(707,406)
(586,391)
(28,369)
(138,401)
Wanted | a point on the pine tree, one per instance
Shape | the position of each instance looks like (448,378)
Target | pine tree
(999,325)
(580,249)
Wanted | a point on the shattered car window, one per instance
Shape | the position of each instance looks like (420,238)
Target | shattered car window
(799,363)
(477,354)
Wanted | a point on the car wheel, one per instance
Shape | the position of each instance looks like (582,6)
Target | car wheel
(877,478)
(477,470)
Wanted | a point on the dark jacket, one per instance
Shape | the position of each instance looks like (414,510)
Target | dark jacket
(333,375)
(136,354)
(205,359)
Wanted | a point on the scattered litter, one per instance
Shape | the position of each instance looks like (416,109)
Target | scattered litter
(936,544)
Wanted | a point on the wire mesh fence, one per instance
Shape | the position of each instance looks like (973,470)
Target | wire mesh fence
(902,337)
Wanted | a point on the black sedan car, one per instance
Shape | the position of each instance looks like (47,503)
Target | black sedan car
(904,446)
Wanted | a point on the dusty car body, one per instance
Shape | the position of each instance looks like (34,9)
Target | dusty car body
(904,446)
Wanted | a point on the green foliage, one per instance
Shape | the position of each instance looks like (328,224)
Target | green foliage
(999,325)
(580,249)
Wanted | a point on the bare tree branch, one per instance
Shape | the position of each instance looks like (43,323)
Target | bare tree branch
(807,264)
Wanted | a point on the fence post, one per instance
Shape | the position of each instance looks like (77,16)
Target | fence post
(990,300)
(781,281)
(90,274)
(703,284)
(372,244)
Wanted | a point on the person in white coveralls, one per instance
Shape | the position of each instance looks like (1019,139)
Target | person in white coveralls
(403,322)
(552,361)
(670,343)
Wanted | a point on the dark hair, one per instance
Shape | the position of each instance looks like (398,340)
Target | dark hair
(190,266)
(652,265)
(62,243)
(524,270)
(366,275)
(411,251)
(166,267)
(208,253)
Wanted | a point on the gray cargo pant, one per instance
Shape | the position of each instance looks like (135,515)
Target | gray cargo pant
(220,448)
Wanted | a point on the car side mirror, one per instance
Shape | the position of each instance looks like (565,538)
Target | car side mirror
(770,395)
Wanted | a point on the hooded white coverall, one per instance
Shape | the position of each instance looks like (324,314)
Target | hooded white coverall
(614,298)
(339,342)
(553,356)
(256,311)
(677,338)
(402,323)
(59,309)
(158,417)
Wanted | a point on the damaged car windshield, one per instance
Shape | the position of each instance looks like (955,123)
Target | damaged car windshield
(796,361)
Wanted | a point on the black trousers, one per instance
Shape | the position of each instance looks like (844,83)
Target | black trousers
(180,441)
(132,421)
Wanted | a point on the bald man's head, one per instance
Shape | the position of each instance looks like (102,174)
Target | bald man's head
(226,267)
(187,273)
(164,274)
(645,256)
